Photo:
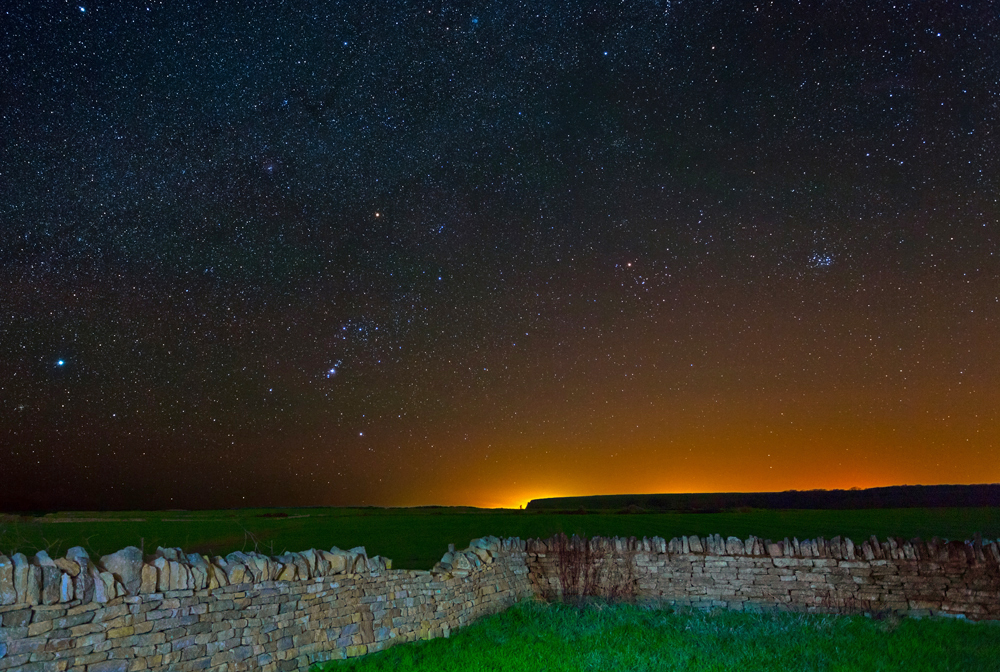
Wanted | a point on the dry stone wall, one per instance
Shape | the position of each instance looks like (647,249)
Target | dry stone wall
(180,612)
(830,576)
(246,611)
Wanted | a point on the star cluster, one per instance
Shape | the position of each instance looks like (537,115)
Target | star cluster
(477,252)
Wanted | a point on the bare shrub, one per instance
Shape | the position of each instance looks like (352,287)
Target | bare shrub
(585,574)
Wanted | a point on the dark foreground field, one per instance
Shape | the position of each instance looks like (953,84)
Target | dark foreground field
(555,637)
(416,538)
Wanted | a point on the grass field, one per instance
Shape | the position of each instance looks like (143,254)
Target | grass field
(554,637)
(416,538)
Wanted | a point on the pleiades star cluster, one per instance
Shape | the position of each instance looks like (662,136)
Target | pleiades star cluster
(399,253)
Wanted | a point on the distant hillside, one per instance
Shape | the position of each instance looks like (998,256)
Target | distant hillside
(892,497)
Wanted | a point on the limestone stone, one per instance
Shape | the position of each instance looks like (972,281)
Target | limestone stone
(8,594)
(349,559)
(849,549)
(301,566)
(694,542)
(269,567)
(256,569)
(20,565)
(31,592)
(216,577)
(83,584)
(482,554)
(169,553)
(104,585)
(66,588)
(162,566)
(126,566)
(221,569)
(734,546)
(994,551)
(197,578)
(180,576)
(199,572)
(42,559)
(237,573)
(76,554)
(491,544)
(876,547)
(312,561)
(147,579)
(288,572)
(51,580)
(68,566)
(322,564)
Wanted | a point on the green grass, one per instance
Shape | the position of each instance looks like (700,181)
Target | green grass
(416,538)
(539,637)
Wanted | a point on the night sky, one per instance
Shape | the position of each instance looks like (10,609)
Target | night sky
(403,253)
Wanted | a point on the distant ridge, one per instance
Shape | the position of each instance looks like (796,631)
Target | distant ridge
(891,497)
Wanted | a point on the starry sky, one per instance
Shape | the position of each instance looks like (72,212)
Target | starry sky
(401,253)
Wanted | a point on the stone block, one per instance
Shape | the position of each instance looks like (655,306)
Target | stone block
(126,567)
(33,586)
(101,586)
(337,562)
(19,618)
(147,579)
(19,564)
(66,591)
(8,594)
(287,572)
(51,582)
(162,566)
(237,573)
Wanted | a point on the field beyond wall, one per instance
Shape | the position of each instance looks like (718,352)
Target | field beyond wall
(414,538)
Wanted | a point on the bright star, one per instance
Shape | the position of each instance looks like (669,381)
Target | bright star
(60,363)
